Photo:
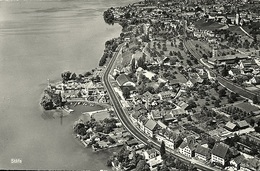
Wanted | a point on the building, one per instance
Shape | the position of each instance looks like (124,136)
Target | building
(248,108)
(150,127)
(230,126)
(141,122)
(155,162)
(202,153)
(178,112)
(151,153)
(255,80)
(250,164)
(166,95)
(237,161)
(242,124)
(234,72)
(248,63)
(187,147)
(167,136)
(219,153)
(228,59)
(124,80)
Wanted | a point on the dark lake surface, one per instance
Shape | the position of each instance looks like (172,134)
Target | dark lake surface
(38,41)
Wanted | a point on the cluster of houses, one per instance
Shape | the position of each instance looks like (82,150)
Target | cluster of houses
(240,66)
(149,119)
(151,156)
(220,154)
(88,90)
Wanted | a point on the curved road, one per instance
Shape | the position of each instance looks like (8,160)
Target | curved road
(128,123)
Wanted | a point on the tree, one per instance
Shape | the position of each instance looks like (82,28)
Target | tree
(140,165)
(87,74)
(162,149)
(217,103)
(255,100)
(66,76)
(224,72)
(189,118)
(222,92)
(133,65)
(109,162)
(73,76)
(204,56)
(233,96)
(252,122)
(211,142)
(126,92)
(141,62)
(192,104)
(171,54)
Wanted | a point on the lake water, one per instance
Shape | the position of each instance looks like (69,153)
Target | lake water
(39,40)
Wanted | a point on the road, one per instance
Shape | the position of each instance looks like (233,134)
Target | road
(127,123)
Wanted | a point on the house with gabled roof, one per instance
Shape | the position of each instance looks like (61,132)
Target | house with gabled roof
(168,117)
(141,122)
(135,115)
(234,72)
(166,95)
(255,80)
(151,153)
(230,126)
(242,124)
(178,112)
(167,136)
(250,164)
(156,114)
(237,161)
(188,146)
(182,104)
(155,162)
(150,127)
(248,63)
(202,153)
(219,153)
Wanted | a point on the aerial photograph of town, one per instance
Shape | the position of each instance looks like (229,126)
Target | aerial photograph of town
(130,85)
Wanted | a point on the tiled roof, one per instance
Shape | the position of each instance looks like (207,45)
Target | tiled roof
(183,144)
(150,124)
(136,115)
(239,159)
(220,150)
(202,150)
(178,111)
(151,151)
(162,125)
(242,124)
(230,125)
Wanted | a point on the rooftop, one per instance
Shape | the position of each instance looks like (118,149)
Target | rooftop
(242,124)
(202,150)
(122,79)
(230,125)
(220,150)
(151,124)
(245,106)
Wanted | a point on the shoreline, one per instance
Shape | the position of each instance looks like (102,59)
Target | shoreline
(105,106)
